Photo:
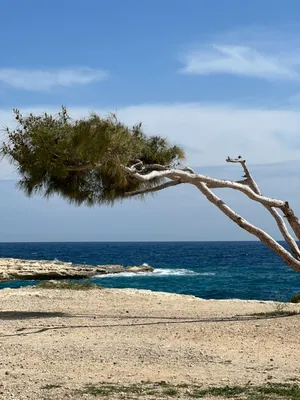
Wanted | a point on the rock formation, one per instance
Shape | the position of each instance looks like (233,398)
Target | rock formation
(16,269)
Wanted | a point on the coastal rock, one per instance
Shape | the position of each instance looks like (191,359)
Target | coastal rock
(142,268)
(17,269)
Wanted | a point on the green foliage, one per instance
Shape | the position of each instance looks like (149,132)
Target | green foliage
(171,392)
(51,386)
(82,160)
(164,391)
(271,391)
(282,390)
(109,389)
(275,313)
(295,298)
(226,391)
(85,285)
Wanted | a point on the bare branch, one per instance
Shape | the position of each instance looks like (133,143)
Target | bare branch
(153,167)
(188,169)
(214,185)
(212,182)
(249,177)
(284,231)
(295,225)
(155,188)
(140,167)
(243,182)
(254,230)
(138,163)
(235,160)
(293,220)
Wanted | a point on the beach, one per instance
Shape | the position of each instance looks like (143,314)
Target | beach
(55,342)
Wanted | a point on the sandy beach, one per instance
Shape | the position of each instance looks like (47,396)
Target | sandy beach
(54,342)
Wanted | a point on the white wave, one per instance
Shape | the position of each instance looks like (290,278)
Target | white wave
(157,272)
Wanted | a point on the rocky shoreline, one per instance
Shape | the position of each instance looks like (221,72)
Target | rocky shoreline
(18,269)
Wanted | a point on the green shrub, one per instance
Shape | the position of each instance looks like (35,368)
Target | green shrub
(84,285)
(295,298)
(275,313)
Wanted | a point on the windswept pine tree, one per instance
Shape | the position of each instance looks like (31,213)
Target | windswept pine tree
(96,161)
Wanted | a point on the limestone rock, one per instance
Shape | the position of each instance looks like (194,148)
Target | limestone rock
(17,269)
(141,268)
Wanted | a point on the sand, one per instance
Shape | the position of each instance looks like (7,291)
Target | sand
(74,338)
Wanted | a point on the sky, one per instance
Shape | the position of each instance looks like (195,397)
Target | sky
(216,77)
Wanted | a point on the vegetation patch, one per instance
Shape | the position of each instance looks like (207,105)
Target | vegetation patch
(109,389)
(226,391)
(163,390)
(268,392)
(295,298)
(50,386)
(84,285)
(170,392)
(275,313)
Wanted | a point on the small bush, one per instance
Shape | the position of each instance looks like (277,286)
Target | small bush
(170,392)
(110,389)
(84,285)
(50,386)
(275,313)
(226,391)
(295,298)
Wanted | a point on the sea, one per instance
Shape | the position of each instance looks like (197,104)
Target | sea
(209,270)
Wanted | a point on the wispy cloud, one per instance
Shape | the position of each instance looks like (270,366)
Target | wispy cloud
(43,79)
(260,57)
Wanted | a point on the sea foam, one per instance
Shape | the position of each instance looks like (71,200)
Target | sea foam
(157,273)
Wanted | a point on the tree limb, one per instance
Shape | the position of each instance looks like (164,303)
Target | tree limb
(212,182)
(254,230)
(293,220)
(138,163)
(139,166)
(189,177)
(188,169)
(284,231)
(251,182)
(275,214)
(155,188)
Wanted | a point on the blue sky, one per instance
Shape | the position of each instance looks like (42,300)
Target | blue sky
(142,45)
(217,77)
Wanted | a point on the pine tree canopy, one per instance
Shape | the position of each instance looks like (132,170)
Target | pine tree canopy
(83,160)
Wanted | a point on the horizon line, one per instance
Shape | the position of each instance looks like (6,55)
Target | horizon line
(136,241)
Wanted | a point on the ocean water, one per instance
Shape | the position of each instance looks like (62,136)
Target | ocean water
(210,270)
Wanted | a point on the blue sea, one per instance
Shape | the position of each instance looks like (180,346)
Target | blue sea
(210,270)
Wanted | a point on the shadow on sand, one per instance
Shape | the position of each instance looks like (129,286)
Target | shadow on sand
(129,320)
(17,315)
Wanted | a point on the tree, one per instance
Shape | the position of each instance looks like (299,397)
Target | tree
(101,160)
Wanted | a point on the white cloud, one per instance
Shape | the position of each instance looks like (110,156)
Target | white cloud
(40,80)
(239,60)
(216,131)
(254,53)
